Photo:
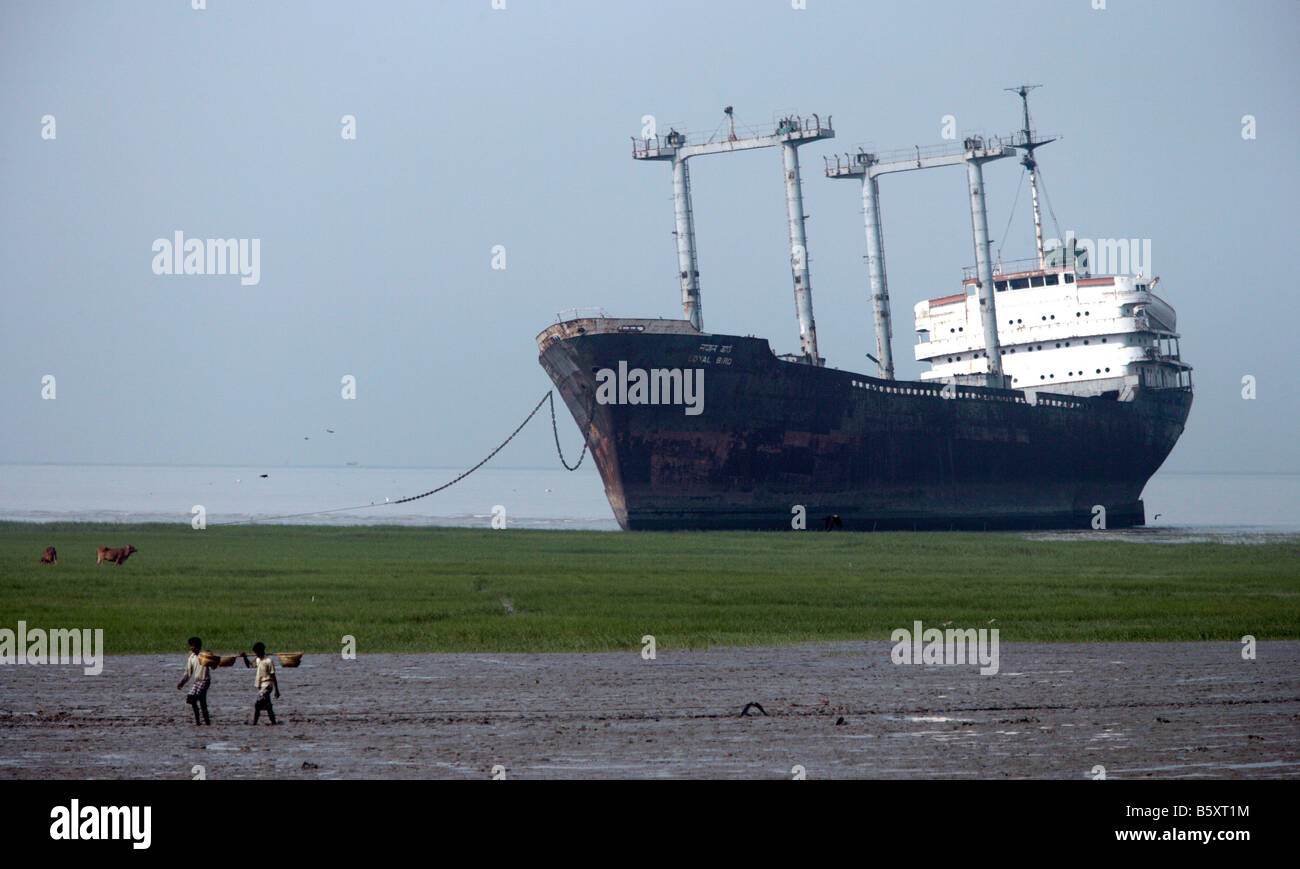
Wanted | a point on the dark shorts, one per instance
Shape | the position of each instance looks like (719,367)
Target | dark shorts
(263,699)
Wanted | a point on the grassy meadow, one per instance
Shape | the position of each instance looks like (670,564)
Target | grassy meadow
(398,589)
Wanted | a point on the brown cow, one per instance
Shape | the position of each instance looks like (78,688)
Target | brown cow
(116,556)
(50,556)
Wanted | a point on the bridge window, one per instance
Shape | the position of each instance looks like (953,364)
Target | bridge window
(1019,283)
(1053,280)
(1037,280)
(1069,278)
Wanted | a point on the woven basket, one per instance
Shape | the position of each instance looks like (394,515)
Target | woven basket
(228,662)
(209,659)
(289,659)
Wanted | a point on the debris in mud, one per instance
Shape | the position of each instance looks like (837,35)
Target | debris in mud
(749,706)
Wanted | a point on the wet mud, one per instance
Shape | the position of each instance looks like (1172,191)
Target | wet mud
(839,710)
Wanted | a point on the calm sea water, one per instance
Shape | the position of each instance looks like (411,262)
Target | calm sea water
(1178,504)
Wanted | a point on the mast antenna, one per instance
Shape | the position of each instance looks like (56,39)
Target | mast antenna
(1027,143)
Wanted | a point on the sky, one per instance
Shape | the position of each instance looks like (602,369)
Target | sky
(124,123)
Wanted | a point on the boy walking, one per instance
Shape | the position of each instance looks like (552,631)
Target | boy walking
(265,683)
(195,669)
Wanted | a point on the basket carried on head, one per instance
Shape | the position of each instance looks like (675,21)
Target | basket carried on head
(289,659)
(209,659)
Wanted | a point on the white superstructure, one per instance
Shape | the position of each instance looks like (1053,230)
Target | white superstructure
(1060,330)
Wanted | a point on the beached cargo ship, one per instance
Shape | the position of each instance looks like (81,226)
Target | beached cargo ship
(1053,393)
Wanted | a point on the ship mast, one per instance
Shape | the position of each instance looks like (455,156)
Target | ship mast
(974,152)
(790,133)
(1027,143)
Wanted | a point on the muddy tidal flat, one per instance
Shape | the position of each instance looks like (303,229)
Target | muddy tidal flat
(838,710)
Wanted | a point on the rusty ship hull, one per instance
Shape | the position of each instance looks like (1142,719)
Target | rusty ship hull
(775,435)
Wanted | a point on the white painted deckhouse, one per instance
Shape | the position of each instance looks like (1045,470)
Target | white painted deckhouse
(1059,327)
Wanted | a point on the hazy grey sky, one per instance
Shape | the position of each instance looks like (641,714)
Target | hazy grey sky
(477,127)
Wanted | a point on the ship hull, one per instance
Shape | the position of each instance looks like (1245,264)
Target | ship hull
(771,440)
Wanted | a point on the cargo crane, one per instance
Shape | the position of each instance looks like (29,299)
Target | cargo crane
(867,166)
(788,133)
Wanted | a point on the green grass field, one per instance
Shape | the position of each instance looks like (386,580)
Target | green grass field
(426,590)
